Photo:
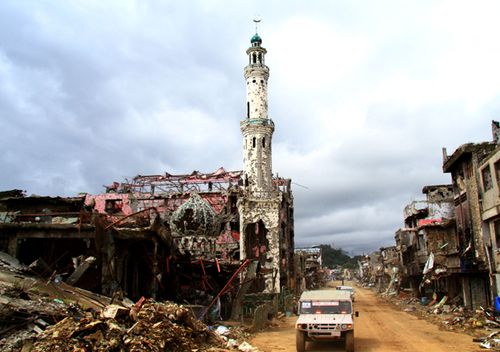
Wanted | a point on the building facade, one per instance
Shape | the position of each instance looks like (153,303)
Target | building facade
(463,165)
(490,215)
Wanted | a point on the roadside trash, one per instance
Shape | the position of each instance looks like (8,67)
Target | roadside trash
(222,330)
(246,347)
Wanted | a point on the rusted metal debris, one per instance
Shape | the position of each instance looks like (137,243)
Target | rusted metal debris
(38,315)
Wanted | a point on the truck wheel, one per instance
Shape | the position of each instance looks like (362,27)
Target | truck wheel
(300,341)
(349,341)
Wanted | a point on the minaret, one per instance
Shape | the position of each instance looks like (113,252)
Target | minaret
(257,128)
(259,207)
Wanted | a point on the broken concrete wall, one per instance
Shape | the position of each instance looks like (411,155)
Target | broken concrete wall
(463,165)
(443,275)
(442,241)
(438,193)
(441,210)
(414,211)
(267,211)
(311,268)
(158,197)
(412,256)
(54,234)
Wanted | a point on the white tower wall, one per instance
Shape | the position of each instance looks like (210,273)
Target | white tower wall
(261,201)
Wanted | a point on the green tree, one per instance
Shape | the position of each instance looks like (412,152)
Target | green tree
(332,257)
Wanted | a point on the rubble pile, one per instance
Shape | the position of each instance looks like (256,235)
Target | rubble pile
(234,338)
(48,315)
(45,314)
(492,341)
(481,323)
(152,326)
(451,316)
(24,312)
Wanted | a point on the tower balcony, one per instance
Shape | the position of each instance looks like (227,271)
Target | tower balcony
(257,122)
(249,67)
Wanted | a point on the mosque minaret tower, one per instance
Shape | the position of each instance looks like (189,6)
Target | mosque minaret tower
(257,128)
(260,206)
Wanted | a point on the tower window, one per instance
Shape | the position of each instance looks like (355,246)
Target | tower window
(248,109)
(262,81)
(254,81)
(254,58)
(260,58)
(253,143)
(264,142)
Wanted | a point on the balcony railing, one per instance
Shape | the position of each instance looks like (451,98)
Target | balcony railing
(261,122)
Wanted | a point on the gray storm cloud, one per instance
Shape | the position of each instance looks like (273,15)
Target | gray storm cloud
(363,98)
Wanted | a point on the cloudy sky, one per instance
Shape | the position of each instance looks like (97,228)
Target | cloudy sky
(364,95)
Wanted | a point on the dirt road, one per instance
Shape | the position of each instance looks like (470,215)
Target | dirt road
(379,328)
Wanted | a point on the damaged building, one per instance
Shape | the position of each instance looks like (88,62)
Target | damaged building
(223,239)
(489,172)
(463,165)
(449,244)
(427,245)
(429,236)
(309,268)
(390,262)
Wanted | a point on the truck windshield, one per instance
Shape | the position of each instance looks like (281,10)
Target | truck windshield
(322,307)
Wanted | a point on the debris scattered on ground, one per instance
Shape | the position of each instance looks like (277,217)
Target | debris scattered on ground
(39,315)
(450,315)
(235,337)
(155,327)
(489,342)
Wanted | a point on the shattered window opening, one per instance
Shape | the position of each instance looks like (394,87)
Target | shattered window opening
(113,206)
(487,180)
(497,171)
(496,224)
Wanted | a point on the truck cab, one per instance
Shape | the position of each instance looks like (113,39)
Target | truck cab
(325,315)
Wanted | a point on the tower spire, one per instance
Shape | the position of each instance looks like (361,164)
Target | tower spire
(257,20)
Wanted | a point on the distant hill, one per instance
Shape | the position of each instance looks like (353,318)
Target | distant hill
(337,256)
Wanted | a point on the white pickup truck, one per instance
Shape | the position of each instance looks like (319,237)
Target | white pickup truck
(325,315)
(347,288)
